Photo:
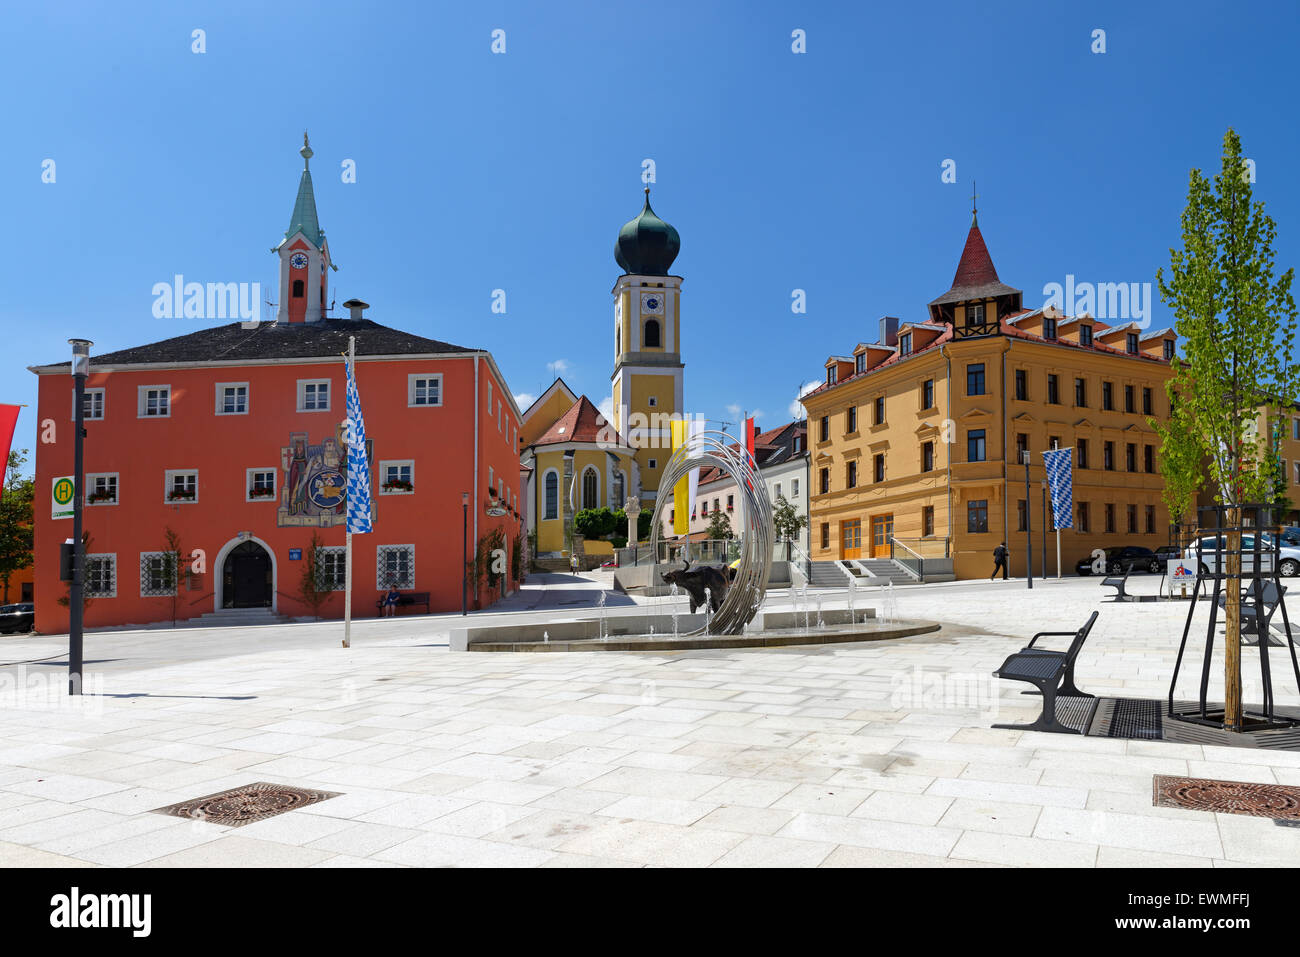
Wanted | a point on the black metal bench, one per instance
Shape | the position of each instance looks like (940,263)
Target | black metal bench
(1269,596)
(1118,584)
(1051,672)
(408,598)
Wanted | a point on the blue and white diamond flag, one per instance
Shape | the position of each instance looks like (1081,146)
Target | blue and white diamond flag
(358,466)
(1059,483)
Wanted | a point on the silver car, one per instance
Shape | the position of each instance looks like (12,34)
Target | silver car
(1288,555)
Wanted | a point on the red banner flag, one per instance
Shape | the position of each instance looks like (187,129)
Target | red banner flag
(749,447)
(8,419)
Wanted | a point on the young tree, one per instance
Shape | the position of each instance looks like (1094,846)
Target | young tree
(314,588)
(719,526)
(1237,323)
(787,522)
(172,569)
(16,499)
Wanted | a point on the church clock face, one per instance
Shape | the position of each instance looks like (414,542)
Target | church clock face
(652,303)
(298,261)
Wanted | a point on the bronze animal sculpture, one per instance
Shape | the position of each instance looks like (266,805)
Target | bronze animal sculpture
(695,582)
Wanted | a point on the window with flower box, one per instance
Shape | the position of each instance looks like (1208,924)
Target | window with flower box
(181,487)
(398,478)
(101,488)
(260,485)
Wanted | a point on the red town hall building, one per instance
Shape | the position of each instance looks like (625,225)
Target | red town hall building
(232,439)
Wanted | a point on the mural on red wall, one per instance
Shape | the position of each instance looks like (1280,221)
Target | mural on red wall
(313,487)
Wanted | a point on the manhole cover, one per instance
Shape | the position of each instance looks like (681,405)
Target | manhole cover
(252,802)
(1277,801)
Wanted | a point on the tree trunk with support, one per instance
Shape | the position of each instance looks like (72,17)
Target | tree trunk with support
(1232,626)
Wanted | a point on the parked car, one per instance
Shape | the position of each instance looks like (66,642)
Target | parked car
(1288,556)
(1122,559)
(17,618)
(1166,552)
(1290,535)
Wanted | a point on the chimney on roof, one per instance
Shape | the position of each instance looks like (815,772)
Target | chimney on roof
(889,330)
(355,308)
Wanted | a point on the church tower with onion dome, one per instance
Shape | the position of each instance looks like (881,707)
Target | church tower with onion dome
(647,384)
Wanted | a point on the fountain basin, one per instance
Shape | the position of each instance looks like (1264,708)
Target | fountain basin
(632,633)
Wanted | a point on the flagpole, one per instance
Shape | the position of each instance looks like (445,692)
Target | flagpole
(347,552)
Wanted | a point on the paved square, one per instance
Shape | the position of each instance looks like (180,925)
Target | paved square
(874,754)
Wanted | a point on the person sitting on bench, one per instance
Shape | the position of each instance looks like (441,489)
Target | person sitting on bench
(391,600)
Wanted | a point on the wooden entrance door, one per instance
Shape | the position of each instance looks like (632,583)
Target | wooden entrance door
(851,539)
(882,530)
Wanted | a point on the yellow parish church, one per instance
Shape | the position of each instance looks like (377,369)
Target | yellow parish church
(573,458)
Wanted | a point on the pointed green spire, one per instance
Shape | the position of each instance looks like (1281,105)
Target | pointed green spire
(304,207)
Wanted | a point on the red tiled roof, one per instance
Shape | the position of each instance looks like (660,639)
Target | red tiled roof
(975,277)
(582,423)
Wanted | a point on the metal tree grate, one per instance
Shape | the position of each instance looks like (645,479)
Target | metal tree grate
(247,804)
(1277,801)
(1136,718)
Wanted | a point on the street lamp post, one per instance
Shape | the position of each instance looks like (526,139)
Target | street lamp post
(1044,529)
(1029,535)
(464,547)
(76,602)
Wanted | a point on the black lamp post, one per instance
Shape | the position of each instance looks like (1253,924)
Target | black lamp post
(1029,537)
(464,548)
(1044,529)
(80,369)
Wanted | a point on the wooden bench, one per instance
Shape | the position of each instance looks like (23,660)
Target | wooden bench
(1051,672)
(408,598)
(1118,584)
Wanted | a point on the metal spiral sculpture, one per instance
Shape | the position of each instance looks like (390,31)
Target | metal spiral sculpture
(745,594)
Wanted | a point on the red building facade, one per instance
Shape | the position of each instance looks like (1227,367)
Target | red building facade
(231,438)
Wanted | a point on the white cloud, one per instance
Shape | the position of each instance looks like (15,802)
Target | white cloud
(606,408)
(558,367)
(733,410)
(524,400)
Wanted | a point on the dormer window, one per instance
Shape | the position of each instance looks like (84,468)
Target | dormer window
(1085,335)
(1169,349)
(1049,328)
(862,362)
(975,314)
(905,344)
(1131,341)
(830,375)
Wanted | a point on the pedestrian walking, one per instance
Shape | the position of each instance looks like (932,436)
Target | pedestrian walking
(1000,555)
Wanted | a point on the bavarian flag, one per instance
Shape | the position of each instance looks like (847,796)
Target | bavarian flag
(358,481)
(682,490)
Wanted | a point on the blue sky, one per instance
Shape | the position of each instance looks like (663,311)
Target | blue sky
(818,171)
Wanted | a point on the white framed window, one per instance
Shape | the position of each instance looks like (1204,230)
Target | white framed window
(313,395)
(101,488)
(1297,471)
(423,389)
(92,401)
(158,574)
(331,572)
(794,488)
(101,575)
(397,477)
(489,396)
(154,402)
(395,566)
(181,486)
(232,398)
(501,417)
(259,485)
